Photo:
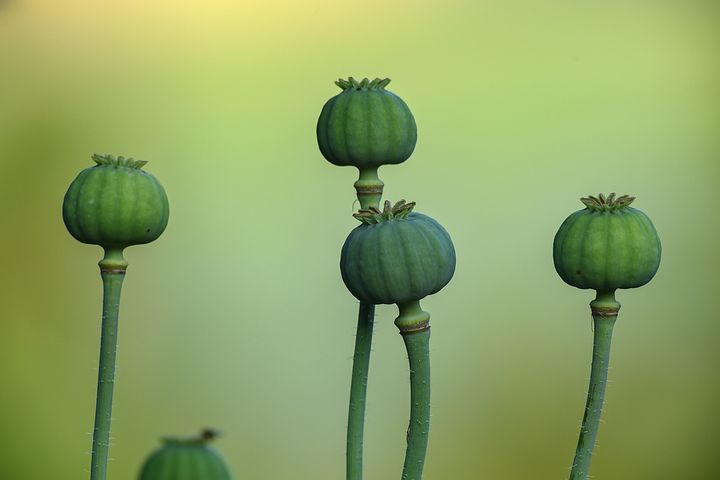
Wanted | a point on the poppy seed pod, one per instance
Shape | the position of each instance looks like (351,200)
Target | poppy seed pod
(366,126)
(115,204)
(607,245)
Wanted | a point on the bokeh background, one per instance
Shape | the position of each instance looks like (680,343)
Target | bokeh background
(237,317)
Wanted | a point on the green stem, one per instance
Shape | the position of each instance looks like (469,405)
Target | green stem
(358,391)
(369,190)
(414,327)
(604,312)
(112,271)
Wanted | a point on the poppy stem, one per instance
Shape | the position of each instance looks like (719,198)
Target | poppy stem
(604,312)
(112,271)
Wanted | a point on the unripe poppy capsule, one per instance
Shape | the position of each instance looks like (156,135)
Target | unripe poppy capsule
(396,256)
(607,245)
(115,204)
(366,126)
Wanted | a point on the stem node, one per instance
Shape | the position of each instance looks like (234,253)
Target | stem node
(369,188)
(412,318)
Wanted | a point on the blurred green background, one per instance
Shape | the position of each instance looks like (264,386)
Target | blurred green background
(237,317)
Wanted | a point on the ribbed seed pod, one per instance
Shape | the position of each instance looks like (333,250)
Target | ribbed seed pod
(396,256)
(186,459)
(606,246)
(115,204)
(366,126)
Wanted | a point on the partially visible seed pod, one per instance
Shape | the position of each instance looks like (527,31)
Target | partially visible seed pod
(186,459)
(366,126)
(606,246)
(396,256)
(115,204)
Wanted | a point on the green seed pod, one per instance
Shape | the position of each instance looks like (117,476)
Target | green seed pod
(115,204)
(606,246)
(366,126)
(186,459)
(396,256)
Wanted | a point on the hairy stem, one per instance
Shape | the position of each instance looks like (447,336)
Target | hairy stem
(418,349)
(369,190)
(604,311)
(358,391)
(414,326)
(112,271)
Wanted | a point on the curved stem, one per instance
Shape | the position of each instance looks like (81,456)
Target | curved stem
(112,271)
(369,190)
(414,327)
(604,312)
(358,391)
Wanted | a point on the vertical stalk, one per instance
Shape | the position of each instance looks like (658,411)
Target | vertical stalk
(604,312)
(358,391)
(414,327)
(112,271)
(369,190)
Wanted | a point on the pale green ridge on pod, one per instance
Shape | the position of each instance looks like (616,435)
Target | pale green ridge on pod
(115,204)
(606,246)
(396,256)
(366,126)
(186,459)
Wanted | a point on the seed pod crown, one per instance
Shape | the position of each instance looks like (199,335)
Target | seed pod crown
(373,215)
(601,203)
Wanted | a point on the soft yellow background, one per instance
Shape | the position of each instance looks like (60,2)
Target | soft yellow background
(237,317)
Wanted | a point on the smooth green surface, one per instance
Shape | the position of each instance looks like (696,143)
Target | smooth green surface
(602,337)
(398,260)
(418,350)
(112,272)
(237,317)
(605,250)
